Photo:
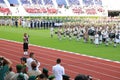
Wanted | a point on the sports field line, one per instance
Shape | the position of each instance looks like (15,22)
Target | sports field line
(64,51)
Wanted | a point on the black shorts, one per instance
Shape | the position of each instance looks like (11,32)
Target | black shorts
(25,46)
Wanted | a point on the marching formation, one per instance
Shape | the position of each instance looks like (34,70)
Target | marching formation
(99,34)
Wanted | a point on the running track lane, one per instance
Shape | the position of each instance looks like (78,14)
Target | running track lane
(74,64)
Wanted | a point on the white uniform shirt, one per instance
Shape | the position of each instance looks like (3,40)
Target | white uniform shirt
(29,61)
(51,30)
(58,71)
(96,39)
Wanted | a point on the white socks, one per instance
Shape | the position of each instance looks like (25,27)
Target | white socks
(25,53)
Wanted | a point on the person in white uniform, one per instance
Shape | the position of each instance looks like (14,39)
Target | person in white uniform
(58,70)
(60,33)
(51,32)
(96,38)
(30,60)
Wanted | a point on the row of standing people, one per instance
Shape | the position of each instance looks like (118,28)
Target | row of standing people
(37,24)
(33,23)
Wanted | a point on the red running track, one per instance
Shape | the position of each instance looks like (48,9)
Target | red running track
(74,64)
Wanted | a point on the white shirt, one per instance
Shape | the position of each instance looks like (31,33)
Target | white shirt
(58,71)
(29,61)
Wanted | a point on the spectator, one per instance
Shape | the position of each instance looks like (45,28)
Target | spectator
(51,77)
(45,72)
(83,77)
(34,71)
(66,77)
(20,77)
(41,77)
(32,78)
(24,65)
(9,74)
(58,70)
(29,61)
(19,74)
(4,66)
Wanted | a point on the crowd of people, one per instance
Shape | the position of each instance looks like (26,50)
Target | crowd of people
(28,69)
(97,34)
(29,23)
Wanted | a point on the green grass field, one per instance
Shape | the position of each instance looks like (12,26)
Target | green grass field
(42,38)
